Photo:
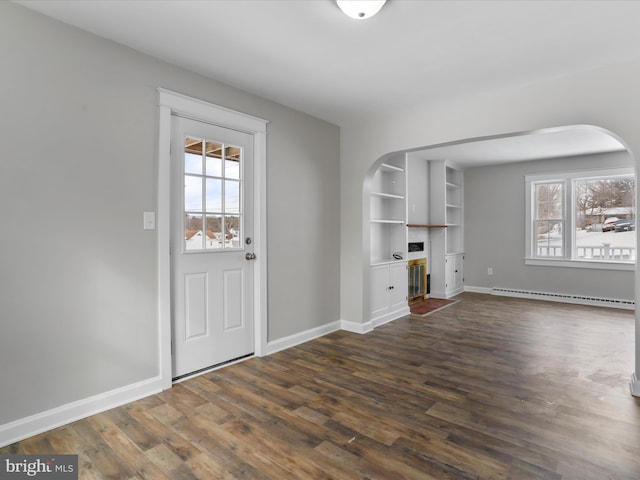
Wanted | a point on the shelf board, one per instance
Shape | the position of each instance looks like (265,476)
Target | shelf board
(419,225)
(387,195)
(450,205)
(385,261)
(382,220)
(391,168)
(453,185)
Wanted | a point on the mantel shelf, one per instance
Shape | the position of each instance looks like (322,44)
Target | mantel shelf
(418,225)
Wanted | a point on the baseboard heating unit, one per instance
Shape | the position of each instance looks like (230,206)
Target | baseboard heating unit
(566,298)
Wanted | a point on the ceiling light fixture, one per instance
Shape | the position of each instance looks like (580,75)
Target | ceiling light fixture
(360,9)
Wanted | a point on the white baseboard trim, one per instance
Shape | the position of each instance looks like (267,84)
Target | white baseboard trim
(390,317)
(355,327)
(469,288)
(41,422)
(302,337)
(367,327)
(634,386)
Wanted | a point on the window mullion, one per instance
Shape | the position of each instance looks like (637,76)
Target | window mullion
(204,195)
(567,221)
(223,219)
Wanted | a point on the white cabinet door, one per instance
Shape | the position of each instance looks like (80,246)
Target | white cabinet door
(459,272)
(398,283)
(454,274)
(379,280)
(389,286)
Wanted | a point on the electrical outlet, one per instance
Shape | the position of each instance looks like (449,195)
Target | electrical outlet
(490,271)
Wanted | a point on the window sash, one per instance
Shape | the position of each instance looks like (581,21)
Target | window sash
(549,219)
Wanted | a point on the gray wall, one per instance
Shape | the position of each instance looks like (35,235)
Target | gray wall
(78,155)
(494,232)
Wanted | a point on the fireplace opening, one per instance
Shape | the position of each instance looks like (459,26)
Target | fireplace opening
(418,280)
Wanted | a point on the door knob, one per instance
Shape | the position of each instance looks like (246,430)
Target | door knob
(250,256)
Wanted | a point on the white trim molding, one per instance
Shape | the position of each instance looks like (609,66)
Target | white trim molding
(171,103)
(363,328)
(302,337)
(390,317)
(41,422)
(472,289)
(634,386)
(355,327)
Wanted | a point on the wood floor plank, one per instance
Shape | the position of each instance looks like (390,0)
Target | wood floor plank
(170,438)
(127,452)
(103,459)
(489,388)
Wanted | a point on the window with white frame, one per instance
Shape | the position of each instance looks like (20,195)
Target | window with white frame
(582,219)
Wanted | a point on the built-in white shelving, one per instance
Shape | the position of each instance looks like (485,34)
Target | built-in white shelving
(388,241)
(388,212)
(447,208)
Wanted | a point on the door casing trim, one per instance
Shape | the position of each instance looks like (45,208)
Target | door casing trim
(171,103)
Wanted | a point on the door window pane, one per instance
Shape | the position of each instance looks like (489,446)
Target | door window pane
(214,159)
(214,239)
(232,162)
(212,197)
(232,228)
(193,236)
(193,156)
(192,193)
(231,196)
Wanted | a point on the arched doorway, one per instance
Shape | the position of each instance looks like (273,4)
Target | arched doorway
(545,145)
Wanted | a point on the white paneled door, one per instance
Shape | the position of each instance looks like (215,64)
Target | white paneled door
(211,245)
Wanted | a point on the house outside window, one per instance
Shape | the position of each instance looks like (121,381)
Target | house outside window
(582,219)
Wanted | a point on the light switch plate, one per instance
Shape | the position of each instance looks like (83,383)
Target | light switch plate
(149,220)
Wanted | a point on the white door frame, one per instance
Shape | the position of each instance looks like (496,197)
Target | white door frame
(176,103)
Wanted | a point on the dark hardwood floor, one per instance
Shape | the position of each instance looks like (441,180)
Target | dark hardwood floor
(490,388)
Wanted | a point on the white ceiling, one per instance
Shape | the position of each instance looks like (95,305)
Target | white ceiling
(308,55)
(541,144)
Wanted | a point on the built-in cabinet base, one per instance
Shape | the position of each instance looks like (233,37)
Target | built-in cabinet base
(454,274)
(388,292)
